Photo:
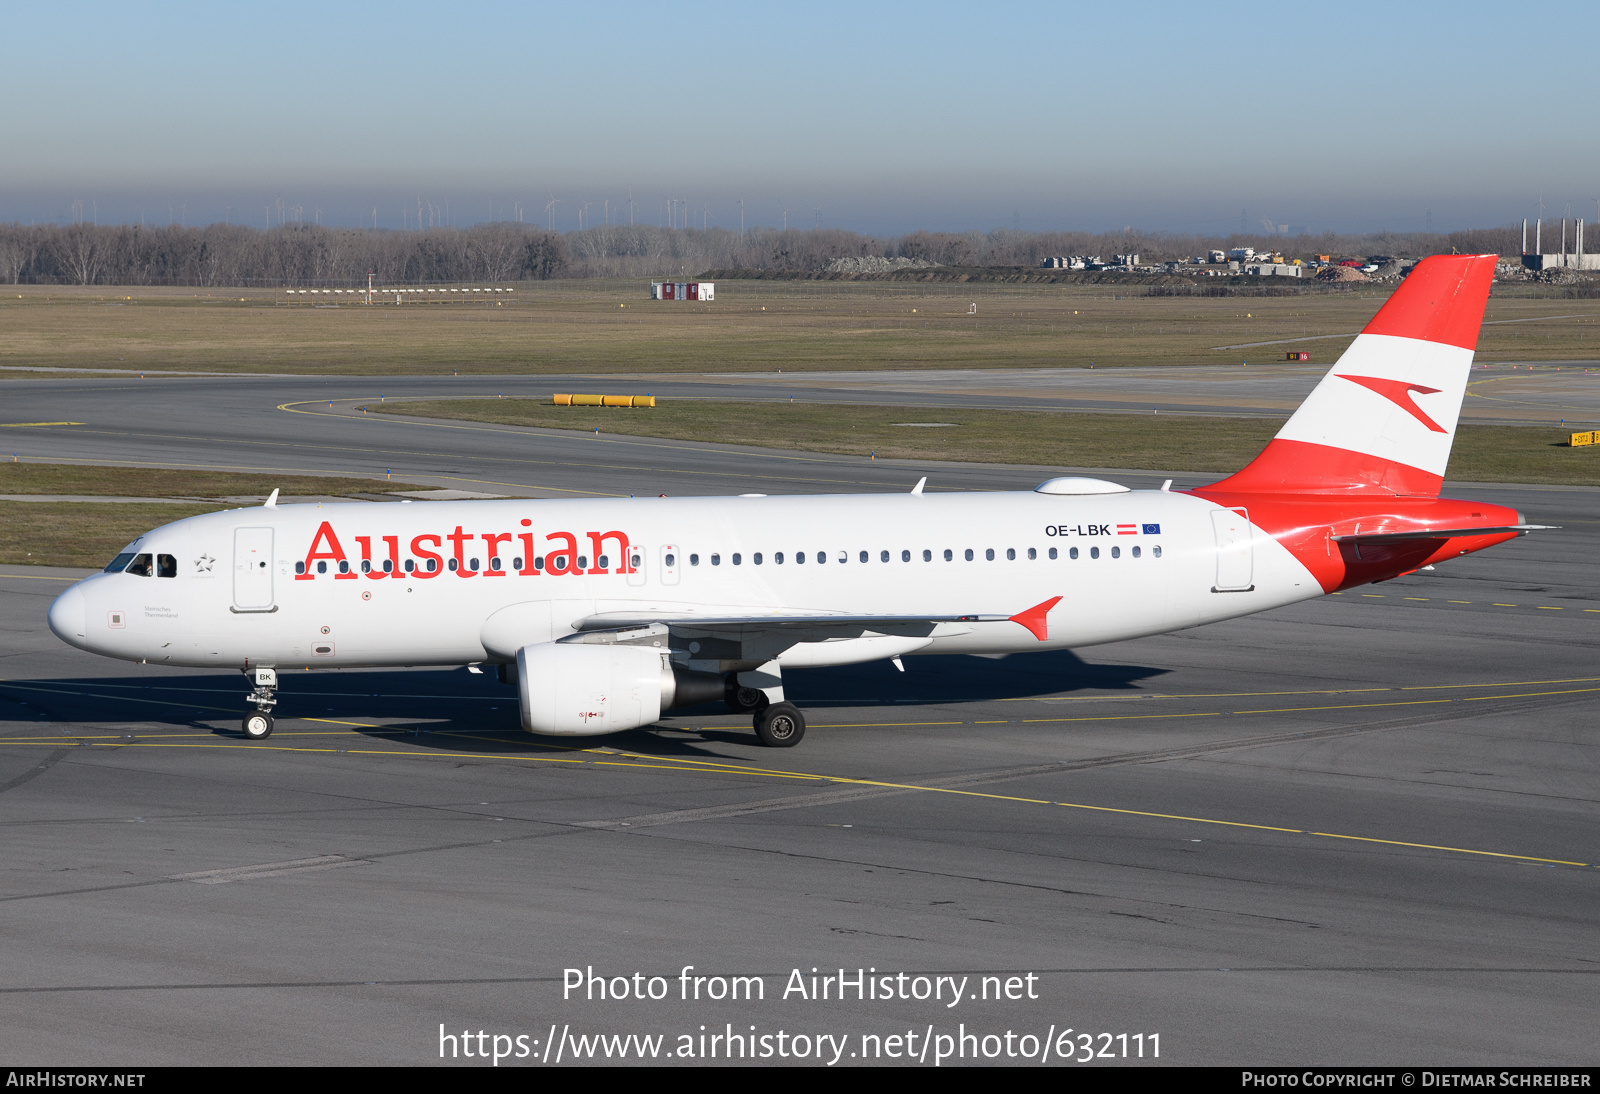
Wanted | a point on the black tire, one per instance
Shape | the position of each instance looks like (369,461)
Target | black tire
(257,725)
(742,700)
(780,725)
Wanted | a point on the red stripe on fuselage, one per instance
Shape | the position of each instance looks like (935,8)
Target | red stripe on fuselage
(1306,527)
(1300,467)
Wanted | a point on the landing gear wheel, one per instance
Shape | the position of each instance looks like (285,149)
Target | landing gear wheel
(742,700)
(257,725)
(780,725)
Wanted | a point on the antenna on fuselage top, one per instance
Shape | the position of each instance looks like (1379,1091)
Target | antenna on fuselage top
(917,489)
(272,502)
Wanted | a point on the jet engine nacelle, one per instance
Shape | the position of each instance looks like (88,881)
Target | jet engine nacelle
(578,689)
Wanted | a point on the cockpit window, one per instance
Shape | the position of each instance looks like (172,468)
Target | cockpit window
(140,565)
(120,563)
(166,565)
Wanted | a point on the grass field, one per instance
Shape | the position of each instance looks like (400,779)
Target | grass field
(1483,453)
(611,326)
(64,533)
(156,482)
(57,533)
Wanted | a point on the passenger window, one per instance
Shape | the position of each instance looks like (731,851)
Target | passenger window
(905,556)
(366,567)
(583,562)
(344,567)
(1156,550)
(411,565)
(494,564)
(322,566)
(694,560)
(737,559)
(1011,553)
(947,555)
(538,563)
(433,564)
(927,556)
(1094,552)
(1116,552)
(671,560)
(473,563)
(452,564)
(883,556)
(777,559)
(864,556)
(516,564)
(799,557)
(388,565)
(1072,553)
(166,566)
(1052,553)
(716,560)
(1033,553)
(988,554)
(756,558)
(822,556)
(1136,552)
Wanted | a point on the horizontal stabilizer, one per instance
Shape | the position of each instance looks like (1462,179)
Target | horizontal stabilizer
(1443,533)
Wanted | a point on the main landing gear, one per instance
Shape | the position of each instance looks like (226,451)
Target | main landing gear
(778,723)
(257,725)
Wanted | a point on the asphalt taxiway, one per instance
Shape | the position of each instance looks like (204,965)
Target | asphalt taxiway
(1358,830)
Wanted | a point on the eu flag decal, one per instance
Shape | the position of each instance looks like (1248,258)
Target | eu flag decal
(1152,529)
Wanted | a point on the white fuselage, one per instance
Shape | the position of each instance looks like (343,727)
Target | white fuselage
(1146,562)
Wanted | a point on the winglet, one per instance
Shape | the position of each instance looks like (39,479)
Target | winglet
(917,489)
(272,502)
(1034,618)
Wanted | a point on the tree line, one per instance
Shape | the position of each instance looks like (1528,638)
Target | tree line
(313,255)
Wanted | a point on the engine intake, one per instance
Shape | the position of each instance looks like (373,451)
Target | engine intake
(584,690)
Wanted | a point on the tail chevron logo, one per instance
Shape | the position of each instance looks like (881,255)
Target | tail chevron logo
(1399,392)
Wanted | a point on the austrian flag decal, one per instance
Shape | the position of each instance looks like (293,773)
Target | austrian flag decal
(1127,529)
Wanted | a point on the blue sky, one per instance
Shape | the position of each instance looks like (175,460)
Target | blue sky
(885,117)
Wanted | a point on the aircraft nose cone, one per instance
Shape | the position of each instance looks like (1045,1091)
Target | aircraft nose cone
(69,618)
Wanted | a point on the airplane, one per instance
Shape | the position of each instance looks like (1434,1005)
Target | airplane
(604,613)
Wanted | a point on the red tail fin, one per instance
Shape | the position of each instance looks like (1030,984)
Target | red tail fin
(1382,420)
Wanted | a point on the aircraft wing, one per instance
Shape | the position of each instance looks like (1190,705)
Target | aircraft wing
(783,619)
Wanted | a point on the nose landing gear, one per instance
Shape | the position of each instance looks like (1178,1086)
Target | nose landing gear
(257,726)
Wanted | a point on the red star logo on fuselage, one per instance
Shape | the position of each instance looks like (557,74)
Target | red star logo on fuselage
(1399,392)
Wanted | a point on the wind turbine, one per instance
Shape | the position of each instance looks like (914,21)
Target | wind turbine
(549,210)
(740,203)
(818,210)
(785,209)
